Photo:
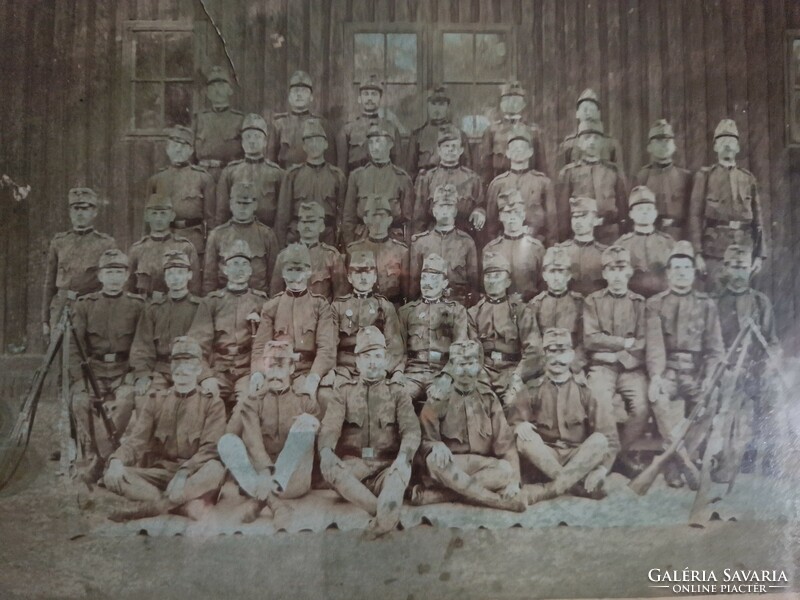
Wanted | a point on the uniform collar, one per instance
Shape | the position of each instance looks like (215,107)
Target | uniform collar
(431,300)
(491,300)
(301,113)
(84,231)
(561,295)
(188,394)
(520,171)
(514,237)
(444,233)
(681,294)
(119,295)
(438,122)
(296,294)
(370,116)
(378,240)
(644,233)
(317,166)
(162,236)
(180,298)
(220,109)
(590,161)
(364,295)
(380,165)
(664,165)
(181,165)
(310,246)
(240,292)
(512,119)
(449,167)
(733,292)
(585,244)
(253,160)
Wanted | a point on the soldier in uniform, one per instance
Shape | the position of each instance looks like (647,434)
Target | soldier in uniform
(225,324)
(649,248)
(391,255)
(287,142)
(672,185)
(725,208)
(471,214)
(522,251)
(147,255)
(315,180)
(423,145)
(72,258)
(593,177)
(190,187)
(449,242)
(683,347)
(467,444)
(170,458)
(430,325)
(534,186)
(301,317)
(217,129)
(562,428)
(245,227)
(254,168)
(351,143)
(327,264)
(587,110)
(105,323)
(369,436)
(583,249)
(494,143)
(379,176)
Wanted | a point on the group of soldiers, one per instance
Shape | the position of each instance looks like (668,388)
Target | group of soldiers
(288,323)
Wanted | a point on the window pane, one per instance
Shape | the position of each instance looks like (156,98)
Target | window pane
(402,57)
(473,107)
(147,55)
(179,54)
(492,57)
(795,66)
(178,104)
(368,55)
(148,109)
(403,101)
(458,57)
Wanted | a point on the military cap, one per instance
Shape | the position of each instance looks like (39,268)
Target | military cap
(310,210)
(218,74)
(582,205)
(277,350)
(314,128)
(369,338)
(159,201)
(113,258)
(82,196)
(448,133)
(641,194)
(237,248)
(254,121)
(509,199)
(556,338)
(377,131)
(185,346)
(591,127)
(661,129)
(556,257)
(175,258)
(615,256)
(465,349)
(371,83)
(588,95)
(363,259)
(520,132)
(512,88)
(726,127)
(682,248)
(376,202)
(243,190)
(738,256)
(438,94)
(445,194)
(494,261)
(182,134)
(296,255)
(433,263)
(301,79)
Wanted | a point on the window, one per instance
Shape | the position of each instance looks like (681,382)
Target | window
(160,68)
(793,87)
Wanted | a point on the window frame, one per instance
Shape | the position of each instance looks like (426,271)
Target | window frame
(792,84)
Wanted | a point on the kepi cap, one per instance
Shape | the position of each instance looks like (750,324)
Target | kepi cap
(433,263)
(182,134)
(512,88)
(243,190)
(591,126)
(310,210)
(175,258)
(682,248)
(363,259)
(438,94)
(159,201)
(82,196)
(509,199)
(465,349)
(556,257)
(615,256)
(556,338)
(371,83)
(255,121)
(520,132)
(113,258)
(448,133)
(375,202)
(588,95)
(494,261)
(581,205)
(378,131)
(738,256)
(726,127)
(369,338)
(218,74)
(185,346)
(313,128)
(641,194)
(661,129)
(237,248)
(445,194)
(296,255)
(301,79)
(279,350)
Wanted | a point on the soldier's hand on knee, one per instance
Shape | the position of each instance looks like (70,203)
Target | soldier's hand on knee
(595,479)
(511,490)
(175,488)
(478,219)
(266,485)
(115,475)
(402,465)
(441,455)
(141,385)
(210,386)
(526,431)
(656,391)
(311,384)
(328,461)
(256,382)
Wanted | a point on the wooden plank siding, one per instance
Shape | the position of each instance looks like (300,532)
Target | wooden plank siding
(63,120)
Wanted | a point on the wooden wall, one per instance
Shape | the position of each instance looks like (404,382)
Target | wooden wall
(692,62)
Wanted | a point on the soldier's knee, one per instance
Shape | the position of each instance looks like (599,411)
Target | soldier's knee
(597,442)
(305,423)
(432,467)
(213,471)
(505,469)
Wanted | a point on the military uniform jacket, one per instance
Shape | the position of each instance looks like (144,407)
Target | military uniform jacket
(649,256)
(352,312)
(683,329)
(725,209)
(72,260)
(497,325)
(568,152)
(305,320)
(607,321)
(263,244)
(327,272)
(264,174)
(175,430)
(548,310)
(469,190)
(673,188)
(525,254)
(192,191)
(540,203)
(106,326)
(735,308)
(566,412)
(387,179)
(162,320)
(494,144)
(586,265)
(285,145)
(391,258)
(218,135)
(423,148)
(146,263)
(456,247)
(430,328)
(352,150)
(224,327)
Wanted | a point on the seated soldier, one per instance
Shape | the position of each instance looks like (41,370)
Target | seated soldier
(269,444)
(369,436)
(467,444)
(561,429)
(170,457)
(583,249)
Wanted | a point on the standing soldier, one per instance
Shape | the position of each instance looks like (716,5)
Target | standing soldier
(254,168)
(380,176)
(286,144)
(72,258)
(147,255)
(217,128)
(725,208)
(587,111)
(190,187)
(672,185)
(495,139)
(243,226)
(584,251)
(351,143)
(315,180)
(593,177)
(423,145)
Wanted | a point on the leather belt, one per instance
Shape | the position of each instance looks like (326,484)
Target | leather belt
(727,224)
(430,356)
(111,357)
(68,294)
(233,350)
(186,223)
(682,361)
(211,163)
(503,356)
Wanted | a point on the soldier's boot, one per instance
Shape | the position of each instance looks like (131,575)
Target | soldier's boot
(588,456)
(143,510)
(458,480)
(422,495)
(390,503)
(352,490)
